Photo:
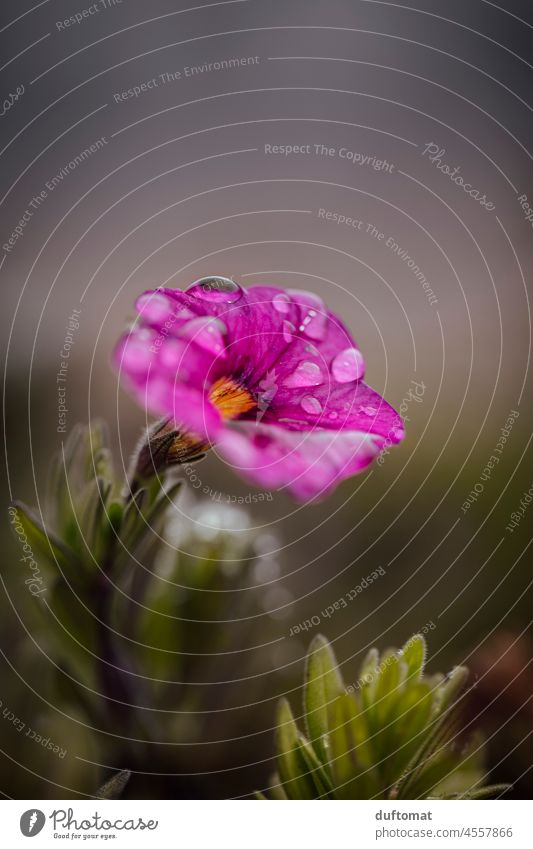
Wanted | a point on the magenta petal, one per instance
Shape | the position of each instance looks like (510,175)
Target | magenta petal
(189,409)
(257,329)
(135,352)
(353,407)
(313,314)
(159,309)
(309,464)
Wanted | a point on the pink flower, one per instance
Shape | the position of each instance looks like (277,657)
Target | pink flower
(271,377)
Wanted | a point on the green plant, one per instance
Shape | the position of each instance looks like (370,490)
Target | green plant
(129,591)
(394,734)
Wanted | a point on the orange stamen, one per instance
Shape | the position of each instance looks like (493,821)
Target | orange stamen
(230,398)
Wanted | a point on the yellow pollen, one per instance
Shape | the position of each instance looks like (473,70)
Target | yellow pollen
(230,398)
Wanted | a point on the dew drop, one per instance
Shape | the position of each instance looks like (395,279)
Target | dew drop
(347,366)
(281,303)
(286,420)
(155,307)
(333,415)
(311,405)
(288,330)
(306,374)
(368,411)
(216,290)
(207,332)
(314,314)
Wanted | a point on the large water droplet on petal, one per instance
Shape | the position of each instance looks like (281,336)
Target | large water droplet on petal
(206,331)
(305,374)
(281,303)
(311,405)
(347,366)
(155,307)
(217,290)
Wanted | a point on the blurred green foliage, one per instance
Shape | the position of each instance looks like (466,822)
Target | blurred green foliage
(134,612)
(391,735)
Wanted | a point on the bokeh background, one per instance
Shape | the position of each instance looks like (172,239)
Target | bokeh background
(181,185)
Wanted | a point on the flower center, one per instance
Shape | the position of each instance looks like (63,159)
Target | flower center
(230,398)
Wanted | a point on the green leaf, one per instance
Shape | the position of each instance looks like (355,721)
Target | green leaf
(432,772)
(42,540)
(414,654)
(388,684)
(368,677)
(488,792)
(351,759)
(114,788)
(408,728)
(389,688)
(451,688)
(296,780)
(315,769)
(427,760)
(323,683)
(276,789)
(369,667)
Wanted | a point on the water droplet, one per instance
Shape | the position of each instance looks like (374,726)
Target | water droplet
(207,332)
(314,313)
(299,422)
(311,405)
(314,325)
(218,290)
(347,366)
(288,330)
(305,374)
(333,415)
(155,307)
(282,303)
(368,411)
(310,349)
